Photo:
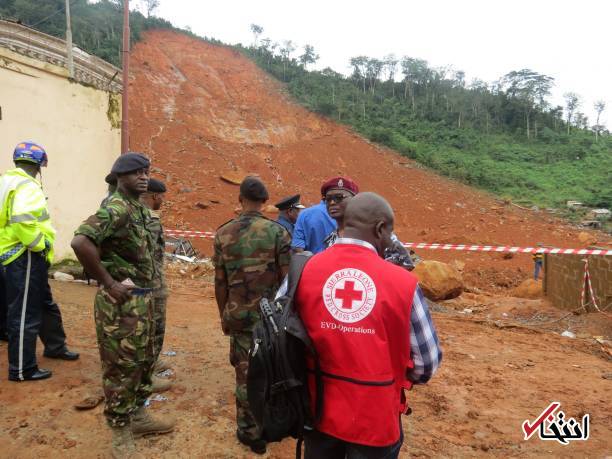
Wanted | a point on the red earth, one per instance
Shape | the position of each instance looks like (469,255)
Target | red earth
(202,111)
(494,376)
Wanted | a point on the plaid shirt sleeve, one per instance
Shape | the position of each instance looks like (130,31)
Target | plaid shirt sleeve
(424,345)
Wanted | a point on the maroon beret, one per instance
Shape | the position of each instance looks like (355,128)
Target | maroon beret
(342,183)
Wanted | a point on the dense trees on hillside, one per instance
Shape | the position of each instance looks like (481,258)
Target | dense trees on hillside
(96,27)
(516,103)
(503,136)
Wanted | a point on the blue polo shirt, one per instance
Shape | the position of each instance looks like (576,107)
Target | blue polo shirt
(312,227)
(285,223)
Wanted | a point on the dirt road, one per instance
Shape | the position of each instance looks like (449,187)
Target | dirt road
(490,381)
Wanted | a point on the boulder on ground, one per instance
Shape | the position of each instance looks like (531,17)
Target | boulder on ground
(233,177)
(587,238)
(529,288)
(60,276)
(438,280)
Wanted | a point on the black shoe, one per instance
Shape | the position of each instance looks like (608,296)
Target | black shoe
(64,355)
(258,446)
(34,376)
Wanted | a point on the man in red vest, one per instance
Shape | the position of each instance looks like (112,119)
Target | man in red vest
(373,333)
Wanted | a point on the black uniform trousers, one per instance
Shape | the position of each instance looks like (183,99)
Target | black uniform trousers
(322,446)
(2,304)
(31,312)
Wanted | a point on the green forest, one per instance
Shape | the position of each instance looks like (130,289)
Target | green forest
(504,136)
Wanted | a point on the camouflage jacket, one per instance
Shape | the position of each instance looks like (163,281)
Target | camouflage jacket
(157,231)
(252,250)
(121,232)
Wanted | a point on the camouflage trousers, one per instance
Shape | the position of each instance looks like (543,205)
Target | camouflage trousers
(125,340)
(240,342)
(159,316)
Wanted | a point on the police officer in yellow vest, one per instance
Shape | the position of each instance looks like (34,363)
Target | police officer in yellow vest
(26,250)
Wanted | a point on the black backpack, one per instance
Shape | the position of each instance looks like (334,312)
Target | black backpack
(277,387)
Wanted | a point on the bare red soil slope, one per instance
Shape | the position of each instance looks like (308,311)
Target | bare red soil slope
(202,111)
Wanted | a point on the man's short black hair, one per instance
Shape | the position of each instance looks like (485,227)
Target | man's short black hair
(253,189)
(156,186)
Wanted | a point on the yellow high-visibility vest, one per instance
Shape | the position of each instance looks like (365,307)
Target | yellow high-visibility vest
(25,223)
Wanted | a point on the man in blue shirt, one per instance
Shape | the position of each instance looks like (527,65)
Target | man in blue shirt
(315,224)
(289,209)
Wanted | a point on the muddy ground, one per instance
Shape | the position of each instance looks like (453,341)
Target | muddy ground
(491,380)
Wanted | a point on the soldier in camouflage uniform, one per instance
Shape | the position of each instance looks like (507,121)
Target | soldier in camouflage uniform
(117,248)
(153,199)
(251,258)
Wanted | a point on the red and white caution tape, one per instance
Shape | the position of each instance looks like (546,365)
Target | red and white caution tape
(506,249)
(425,245)
(586,281)
(194,234)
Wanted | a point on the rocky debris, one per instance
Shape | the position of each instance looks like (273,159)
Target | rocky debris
(201,205)
(529,288)
(568,334)
(63,277)
(587,238)
(438,280)
(270,209)
(233,177)
(70,267)
(199,268)
(458,265)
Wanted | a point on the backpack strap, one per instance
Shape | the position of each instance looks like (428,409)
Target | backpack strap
(296,268)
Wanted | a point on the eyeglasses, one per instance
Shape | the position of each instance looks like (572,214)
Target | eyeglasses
(337,198)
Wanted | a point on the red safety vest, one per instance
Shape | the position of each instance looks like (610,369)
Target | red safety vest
(356,308)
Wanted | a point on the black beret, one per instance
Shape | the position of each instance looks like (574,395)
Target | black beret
(130,162)
(288,203)
(253,189)
(156,186)
(111,179)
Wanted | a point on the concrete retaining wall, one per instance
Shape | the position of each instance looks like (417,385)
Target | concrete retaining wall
(564,276)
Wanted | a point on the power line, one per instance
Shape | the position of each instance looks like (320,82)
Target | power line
(61,10)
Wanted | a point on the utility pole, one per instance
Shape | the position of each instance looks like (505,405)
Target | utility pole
(125,55)
(69,41)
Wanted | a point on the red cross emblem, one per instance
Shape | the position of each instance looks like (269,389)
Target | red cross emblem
(348,294)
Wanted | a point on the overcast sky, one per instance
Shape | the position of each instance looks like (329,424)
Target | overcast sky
(568,40)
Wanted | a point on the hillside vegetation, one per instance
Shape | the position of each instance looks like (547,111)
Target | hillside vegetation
(503,137)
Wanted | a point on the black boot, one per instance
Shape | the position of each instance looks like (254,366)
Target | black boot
(258,446)
(36,375)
